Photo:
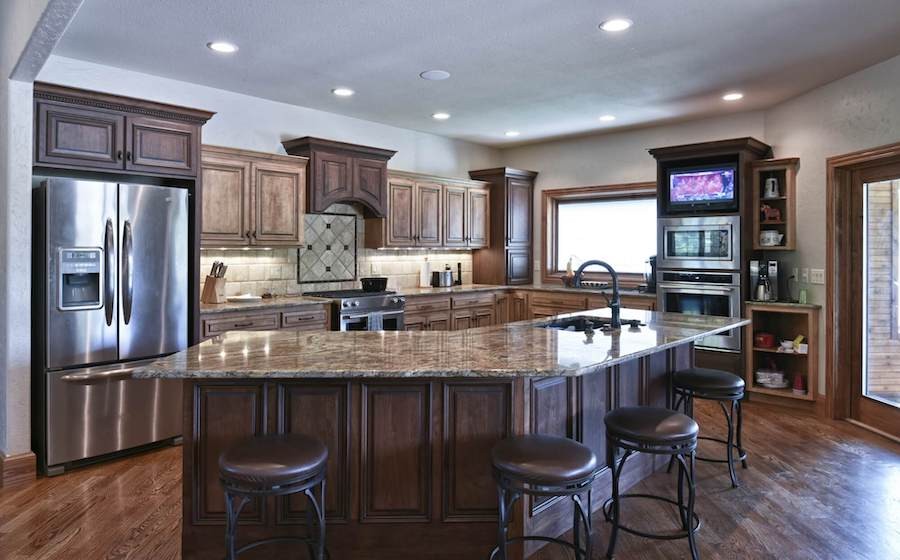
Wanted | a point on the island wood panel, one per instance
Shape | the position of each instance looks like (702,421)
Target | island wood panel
(396,452)
(476,415)
(417,481)
(228,412)
(320,410)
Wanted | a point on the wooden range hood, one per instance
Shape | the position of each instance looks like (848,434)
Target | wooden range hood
(341,172)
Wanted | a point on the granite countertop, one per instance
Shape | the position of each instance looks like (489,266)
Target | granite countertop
(511,350)
(261,304)
(411,292)
(796,304)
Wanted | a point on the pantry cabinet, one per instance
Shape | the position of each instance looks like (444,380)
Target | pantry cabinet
(251,198)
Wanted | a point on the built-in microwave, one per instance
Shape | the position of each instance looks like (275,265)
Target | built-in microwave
(699,243)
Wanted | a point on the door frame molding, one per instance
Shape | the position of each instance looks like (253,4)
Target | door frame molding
(839,290)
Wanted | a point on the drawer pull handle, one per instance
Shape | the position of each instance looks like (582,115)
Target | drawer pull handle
(307,318)
(247,324)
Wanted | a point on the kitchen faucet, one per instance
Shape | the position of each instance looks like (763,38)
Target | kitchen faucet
(616,303)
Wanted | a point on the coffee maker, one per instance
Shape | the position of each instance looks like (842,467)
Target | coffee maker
(768,281)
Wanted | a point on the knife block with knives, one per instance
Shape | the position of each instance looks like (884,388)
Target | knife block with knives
(214,286)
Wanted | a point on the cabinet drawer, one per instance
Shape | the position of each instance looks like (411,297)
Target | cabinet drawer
(425,305)
(560,301)
(219,325)
(630,302)
(479,299)
(309,319)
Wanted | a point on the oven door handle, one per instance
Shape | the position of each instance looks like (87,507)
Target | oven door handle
(695,289)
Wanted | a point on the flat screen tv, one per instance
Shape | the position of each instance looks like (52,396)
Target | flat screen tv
(702,188)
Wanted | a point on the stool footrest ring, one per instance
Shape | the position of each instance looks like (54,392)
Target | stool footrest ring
(741,454)
(683,534)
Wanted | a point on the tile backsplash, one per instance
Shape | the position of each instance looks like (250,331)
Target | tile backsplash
(257,271)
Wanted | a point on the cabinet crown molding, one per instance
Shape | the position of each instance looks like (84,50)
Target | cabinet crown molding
(731,145)
(308,142)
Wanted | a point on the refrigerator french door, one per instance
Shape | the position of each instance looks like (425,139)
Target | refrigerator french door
(111,279)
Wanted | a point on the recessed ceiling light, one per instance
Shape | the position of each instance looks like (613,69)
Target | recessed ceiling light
(222,47)
(440,116)
(434,75)
(343,92)
(607,118)
(733,96)
(511,133)
(616,24)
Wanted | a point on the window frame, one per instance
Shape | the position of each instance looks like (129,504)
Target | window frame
(550,199)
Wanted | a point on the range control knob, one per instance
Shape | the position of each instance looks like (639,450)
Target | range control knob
(402,299)
(345,304)
(355,304)
(395,300)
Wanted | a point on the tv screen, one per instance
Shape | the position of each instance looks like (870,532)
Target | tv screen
(702,187)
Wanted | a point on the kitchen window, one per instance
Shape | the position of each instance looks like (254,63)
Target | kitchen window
(614,223)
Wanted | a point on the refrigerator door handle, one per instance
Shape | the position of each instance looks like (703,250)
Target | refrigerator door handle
(109,284)
(112,375)
(127,271)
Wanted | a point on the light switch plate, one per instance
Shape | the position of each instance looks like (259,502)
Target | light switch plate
(817,276)
(804,275)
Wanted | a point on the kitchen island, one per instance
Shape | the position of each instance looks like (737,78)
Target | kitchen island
(409,419)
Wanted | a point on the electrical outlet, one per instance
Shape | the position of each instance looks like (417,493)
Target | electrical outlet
(804,275)
(817,276)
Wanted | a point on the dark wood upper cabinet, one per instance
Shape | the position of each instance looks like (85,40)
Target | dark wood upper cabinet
(430,211)
(80,129)
(154,144)
(510,219)
(342,172)
(251,198)
(429,214)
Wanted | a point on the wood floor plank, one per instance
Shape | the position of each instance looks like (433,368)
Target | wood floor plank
(816,490)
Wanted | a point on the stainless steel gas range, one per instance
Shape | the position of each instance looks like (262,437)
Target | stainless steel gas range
(358,310)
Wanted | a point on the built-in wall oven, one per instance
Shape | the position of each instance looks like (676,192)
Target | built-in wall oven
(699,243)
(703,293)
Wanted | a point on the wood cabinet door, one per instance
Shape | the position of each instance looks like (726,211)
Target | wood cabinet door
(333,180)
(439,321)
(455,203)
(518,307)
(79,137)
(478,216)
(428,214)
(278,204)
(225,219)
(464,319)
(401,230)
(415,322)
(502,308)
(369,180)
(518,213)
(518,266)
(484,317)
(161,146)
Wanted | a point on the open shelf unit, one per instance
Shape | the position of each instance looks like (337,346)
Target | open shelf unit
(784,172)
(785,321)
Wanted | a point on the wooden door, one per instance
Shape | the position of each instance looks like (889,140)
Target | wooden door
(369,180)
(455,203)
(478,216)
(160,146)
(332,180)
(225,219)
(518,213)
(78,137)
(278,204)
(518,266)
(401,231)
(428,214)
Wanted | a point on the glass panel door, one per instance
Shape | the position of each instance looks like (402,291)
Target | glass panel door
(881,292)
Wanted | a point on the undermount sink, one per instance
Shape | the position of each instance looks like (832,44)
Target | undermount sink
(582,323)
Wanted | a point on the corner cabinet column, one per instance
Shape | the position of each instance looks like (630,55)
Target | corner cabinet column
(510,211)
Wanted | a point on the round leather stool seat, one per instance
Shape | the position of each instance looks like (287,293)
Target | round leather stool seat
(273,460)
(650,425)
(705,380)
(542,459)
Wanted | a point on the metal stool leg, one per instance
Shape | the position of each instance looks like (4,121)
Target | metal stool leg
(315,519)
(506,499)
(688,474)
(729,412)
(679,401)
(617,472)
(232,513)
(740,423)
(581,520)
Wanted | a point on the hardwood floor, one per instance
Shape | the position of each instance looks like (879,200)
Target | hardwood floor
(815,489)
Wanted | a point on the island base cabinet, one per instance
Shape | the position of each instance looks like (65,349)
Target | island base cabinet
(409,473)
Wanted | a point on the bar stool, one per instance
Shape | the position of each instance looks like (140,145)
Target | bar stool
(275,465)
(716,385)
(540,465)
(659,431)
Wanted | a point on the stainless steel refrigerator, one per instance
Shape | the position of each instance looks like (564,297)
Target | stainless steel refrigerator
(110,293)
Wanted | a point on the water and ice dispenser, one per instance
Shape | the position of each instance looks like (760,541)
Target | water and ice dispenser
(80,278)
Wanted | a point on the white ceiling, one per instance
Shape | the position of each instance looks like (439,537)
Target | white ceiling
(541,67)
